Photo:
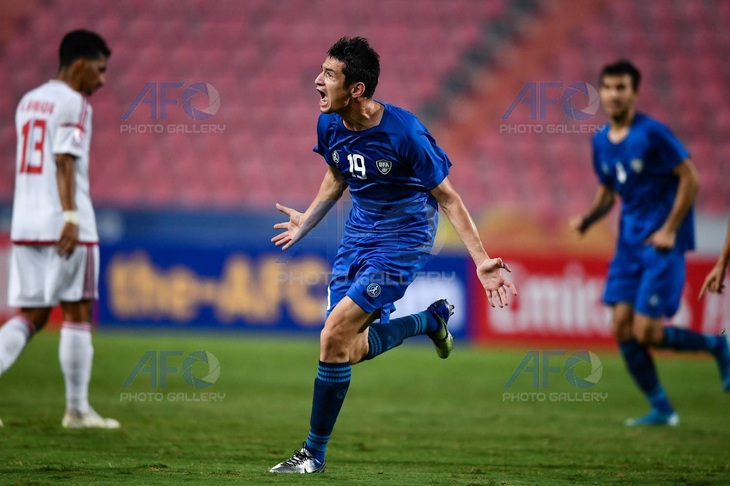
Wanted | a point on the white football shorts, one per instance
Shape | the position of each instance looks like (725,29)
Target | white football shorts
(39,277)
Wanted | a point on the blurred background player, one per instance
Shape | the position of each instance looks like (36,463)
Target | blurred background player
(714,282)
(639,159)
(55,254)
(397,177)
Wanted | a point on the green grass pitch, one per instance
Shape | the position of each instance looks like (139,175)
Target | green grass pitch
(409,419)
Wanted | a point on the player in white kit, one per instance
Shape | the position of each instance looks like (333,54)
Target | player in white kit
(55,254)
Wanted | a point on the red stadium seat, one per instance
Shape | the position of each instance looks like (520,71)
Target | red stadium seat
(263,56)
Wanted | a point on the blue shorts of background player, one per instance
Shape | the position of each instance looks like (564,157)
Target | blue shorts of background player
(374,278)
(649,279)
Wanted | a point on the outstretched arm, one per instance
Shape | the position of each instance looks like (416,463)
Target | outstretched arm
(716,277)
(488,269)
(299,224)
(601,205)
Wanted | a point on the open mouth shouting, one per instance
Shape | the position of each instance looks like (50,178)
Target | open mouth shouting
(323,99)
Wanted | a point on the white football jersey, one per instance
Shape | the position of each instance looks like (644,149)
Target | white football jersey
(51,119)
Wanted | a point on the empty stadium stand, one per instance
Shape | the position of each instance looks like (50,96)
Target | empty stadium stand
(458,63)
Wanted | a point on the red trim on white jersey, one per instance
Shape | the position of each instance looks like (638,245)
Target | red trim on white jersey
(75,125)
(82,117)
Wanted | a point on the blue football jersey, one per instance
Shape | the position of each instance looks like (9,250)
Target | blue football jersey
(390,169)
(640,169)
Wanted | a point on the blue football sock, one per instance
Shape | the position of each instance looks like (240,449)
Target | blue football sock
(432,324)
(688,340)
(641,367)
(384,337)
(330,388)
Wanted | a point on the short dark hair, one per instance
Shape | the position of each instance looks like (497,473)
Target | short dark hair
(362,63)
(82,44)
(621,67)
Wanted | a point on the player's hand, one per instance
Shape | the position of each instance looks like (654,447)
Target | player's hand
(715,280)
(662,239)
(494,283)
(577,224)
(291,227)
(68,240)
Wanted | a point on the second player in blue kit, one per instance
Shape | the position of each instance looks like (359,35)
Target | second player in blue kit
(638,159)
(641,170)
(398,180)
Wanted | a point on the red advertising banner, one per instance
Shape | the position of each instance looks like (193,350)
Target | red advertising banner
(560,300)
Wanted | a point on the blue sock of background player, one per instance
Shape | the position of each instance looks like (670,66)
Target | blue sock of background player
(333,379)
(681,339)
(641,367)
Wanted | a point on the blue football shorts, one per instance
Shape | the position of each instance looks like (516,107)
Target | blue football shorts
(374,278)
(646,278)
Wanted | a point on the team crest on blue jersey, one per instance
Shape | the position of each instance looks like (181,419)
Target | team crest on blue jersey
(373,290)
(335,157)
(384,166)
(637,165)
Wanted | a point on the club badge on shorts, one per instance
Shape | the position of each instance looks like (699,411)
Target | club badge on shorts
(373,290)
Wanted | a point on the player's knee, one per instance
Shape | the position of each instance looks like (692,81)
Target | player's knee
(644,335)
(76,311)
(38,317)
(622,330)
(332,344)
(649,330)
(622,334)
(329,338)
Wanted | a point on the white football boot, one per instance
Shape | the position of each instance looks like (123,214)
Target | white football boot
(73,419)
